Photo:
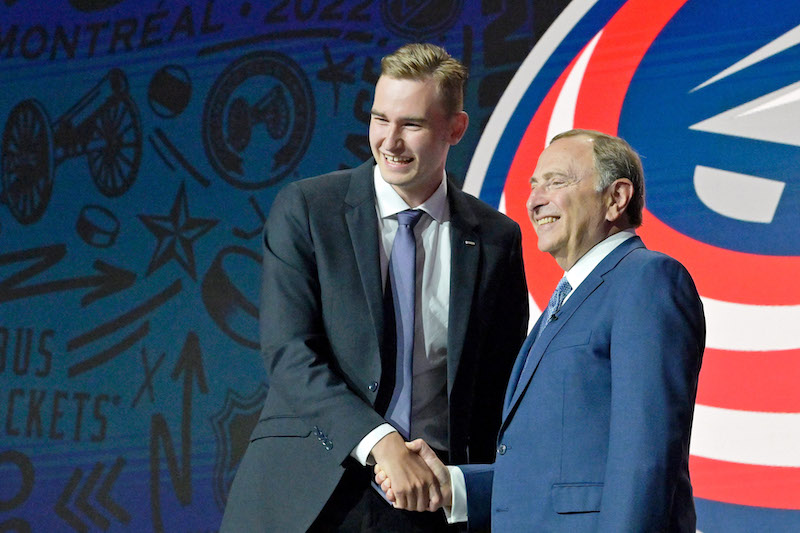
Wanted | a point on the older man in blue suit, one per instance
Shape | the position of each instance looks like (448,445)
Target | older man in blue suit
(598,409)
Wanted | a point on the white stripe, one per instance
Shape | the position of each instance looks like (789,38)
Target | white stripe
(563,117)
(779,99)
(754,438)
(785,41)
(533,312)
(519,84)
(744,327)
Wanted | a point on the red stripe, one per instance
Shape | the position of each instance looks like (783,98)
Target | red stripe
(619,47)
(625,40)
(748,278)
(541,271)
(748,381)
(753,485)
(724,274)
(751,381)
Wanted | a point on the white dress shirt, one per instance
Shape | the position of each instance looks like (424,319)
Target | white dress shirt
(575,276)
(429,402)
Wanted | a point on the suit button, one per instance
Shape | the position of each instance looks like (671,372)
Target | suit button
(501,450)
(373,386)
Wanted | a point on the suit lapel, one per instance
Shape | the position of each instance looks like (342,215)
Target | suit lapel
(362,224)
(519,364)
(465,254)
(539,346)
(516,387)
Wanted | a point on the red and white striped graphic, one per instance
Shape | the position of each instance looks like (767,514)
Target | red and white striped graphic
(746,431)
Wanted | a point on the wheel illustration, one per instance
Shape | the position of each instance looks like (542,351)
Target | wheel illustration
(115,147)
(27,167)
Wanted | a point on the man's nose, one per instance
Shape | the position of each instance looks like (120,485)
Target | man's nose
(536,198)
(393,138)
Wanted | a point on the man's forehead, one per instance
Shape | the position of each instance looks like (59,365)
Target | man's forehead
(568,151)
(565,160)
(578,144)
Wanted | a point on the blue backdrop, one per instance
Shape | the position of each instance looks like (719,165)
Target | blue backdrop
(144,141)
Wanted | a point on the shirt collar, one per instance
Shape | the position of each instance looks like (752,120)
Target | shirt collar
(390,203)
(581,270)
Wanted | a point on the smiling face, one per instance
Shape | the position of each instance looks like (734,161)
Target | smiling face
(410,134)
(568,214)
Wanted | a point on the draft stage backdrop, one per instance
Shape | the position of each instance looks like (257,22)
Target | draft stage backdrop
(144,141)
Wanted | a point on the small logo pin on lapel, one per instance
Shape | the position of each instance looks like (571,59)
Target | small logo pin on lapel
(469,243)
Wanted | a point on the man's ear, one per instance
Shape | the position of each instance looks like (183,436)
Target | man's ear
(618,196)
(458,127)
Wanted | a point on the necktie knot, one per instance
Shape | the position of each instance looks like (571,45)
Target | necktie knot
(409,217)
(562,290)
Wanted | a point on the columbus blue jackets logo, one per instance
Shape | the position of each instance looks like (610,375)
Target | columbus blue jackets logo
(715,116)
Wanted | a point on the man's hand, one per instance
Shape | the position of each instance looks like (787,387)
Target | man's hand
(437,467)
(414,486)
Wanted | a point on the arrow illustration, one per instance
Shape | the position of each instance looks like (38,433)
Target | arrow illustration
(108,279)
(190,364)
(82,502)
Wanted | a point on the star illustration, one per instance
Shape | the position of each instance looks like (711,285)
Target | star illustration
(176,234)
(336,73)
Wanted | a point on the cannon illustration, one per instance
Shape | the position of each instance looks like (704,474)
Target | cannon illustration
(104,126)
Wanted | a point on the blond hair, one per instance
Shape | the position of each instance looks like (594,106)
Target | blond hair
(421,61)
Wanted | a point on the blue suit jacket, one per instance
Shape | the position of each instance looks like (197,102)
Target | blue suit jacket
(595,431)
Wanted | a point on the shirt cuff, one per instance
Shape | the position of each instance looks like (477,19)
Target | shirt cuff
(362,452)
(458,485)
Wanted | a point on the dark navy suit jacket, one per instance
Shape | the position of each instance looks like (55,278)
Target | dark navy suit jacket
(595,431)
(322,336)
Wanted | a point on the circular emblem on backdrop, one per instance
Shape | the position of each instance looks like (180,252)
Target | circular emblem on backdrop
(421,18)
(258,120)
(724,127)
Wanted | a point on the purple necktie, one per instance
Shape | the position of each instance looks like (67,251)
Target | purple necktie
(402,274)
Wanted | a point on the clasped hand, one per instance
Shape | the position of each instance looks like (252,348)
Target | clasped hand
(411,475)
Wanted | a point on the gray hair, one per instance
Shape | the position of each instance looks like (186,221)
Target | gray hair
(614,158)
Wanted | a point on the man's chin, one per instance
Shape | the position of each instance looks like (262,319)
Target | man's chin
(394,176)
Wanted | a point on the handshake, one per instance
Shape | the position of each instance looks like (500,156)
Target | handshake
(411,475)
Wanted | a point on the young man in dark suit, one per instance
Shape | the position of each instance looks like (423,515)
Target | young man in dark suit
(352,376)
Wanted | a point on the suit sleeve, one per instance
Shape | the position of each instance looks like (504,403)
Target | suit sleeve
(657,341)
(302,369)
(478,480)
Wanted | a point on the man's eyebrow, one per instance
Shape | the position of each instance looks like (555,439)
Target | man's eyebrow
(550,175)
(419,120)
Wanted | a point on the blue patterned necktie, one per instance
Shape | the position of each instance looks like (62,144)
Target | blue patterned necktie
(402,276)
(562,290)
